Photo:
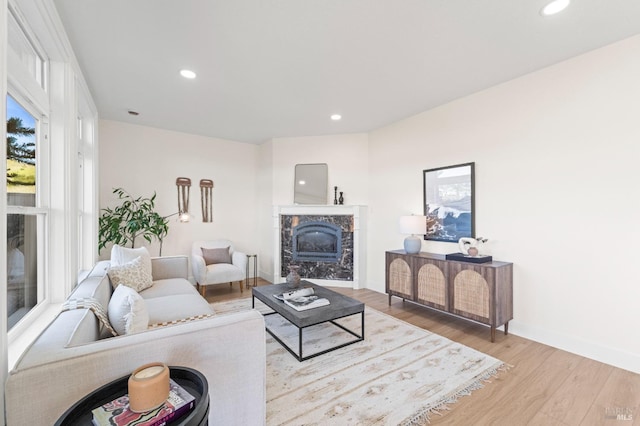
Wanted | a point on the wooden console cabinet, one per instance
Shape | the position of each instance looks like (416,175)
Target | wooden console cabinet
(482,292)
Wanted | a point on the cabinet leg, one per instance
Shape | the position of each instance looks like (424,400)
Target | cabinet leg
(506,328)
(389,300)
(493,334)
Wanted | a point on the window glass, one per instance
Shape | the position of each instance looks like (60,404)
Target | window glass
(21,155)
(26,234)
(34,63)
(22,266)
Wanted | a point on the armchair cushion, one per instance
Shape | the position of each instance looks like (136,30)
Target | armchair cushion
(216,255)
(217,273)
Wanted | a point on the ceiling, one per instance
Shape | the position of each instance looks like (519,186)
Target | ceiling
(280,68)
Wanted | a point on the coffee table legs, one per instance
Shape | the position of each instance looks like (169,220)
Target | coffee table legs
(298,354)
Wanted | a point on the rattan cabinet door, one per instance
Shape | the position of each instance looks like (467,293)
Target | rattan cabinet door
(399,280)
(472,290)
(431,282)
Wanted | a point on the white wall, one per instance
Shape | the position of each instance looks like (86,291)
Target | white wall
(557,176)
(143,160)
(345,155)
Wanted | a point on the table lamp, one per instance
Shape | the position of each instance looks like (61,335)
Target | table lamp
(413,225)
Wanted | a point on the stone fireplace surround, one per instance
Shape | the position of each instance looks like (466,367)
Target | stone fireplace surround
(349,271)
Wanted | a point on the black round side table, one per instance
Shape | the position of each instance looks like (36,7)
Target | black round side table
(193,381)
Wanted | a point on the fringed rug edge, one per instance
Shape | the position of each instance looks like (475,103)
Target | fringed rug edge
(423,416)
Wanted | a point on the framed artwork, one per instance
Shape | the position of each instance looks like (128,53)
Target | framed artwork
(449,202)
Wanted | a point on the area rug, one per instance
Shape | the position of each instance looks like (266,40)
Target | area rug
(399,375)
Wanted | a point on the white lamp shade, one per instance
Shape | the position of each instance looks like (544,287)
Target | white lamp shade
(413,224)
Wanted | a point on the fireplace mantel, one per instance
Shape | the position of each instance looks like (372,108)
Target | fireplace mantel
(359,242)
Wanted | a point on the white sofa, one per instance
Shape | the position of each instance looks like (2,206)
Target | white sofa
(70,359)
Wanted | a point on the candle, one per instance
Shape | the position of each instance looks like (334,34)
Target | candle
(148,387)
(149,372)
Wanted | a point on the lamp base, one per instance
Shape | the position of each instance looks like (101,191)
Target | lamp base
(412,244)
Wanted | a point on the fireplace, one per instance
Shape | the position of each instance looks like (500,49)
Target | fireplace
(325,242)
(317,242)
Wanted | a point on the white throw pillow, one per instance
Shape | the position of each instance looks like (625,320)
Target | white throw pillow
(132,274)
(127,311)
(121,255)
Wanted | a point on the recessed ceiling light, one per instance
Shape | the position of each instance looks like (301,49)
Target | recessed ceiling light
(556,6)
(336,117)
(187,74)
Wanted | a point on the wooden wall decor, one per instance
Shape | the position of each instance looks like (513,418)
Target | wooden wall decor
(206,196)
(184,186)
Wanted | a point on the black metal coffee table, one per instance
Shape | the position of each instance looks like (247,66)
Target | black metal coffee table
(340,306)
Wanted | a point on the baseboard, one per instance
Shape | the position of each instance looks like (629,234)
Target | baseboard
(588,349)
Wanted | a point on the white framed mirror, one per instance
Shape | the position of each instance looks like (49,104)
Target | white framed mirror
(310,184)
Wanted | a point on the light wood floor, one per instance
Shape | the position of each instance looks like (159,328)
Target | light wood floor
(545,386)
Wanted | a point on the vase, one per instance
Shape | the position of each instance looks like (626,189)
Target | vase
(335,195)
(341,199)
(293,279)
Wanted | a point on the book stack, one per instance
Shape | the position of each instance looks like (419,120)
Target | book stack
(302,299)
(117,412)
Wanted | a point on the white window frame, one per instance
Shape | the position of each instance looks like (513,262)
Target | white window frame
(31,95)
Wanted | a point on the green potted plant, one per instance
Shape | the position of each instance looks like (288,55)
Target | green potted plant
(132,219)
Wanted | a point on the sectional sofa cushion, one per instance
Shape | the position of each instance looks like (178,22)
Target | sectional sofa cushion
(180,306)
(169,287)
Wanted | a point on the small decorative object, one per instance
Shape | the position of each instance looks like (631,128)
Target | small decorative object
(335,195)
(293,279)
(341,199)
(413,225)
(148,387)
(471,246)
(206,199)
(184,186)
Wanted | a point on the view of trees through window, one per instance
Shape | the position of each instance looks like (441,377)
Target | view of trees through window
(21,151)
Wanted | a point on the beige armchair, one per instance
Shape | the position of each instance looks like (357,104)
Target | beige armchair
(216,262)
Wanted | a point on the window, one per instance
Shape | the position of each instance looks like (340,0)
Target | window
(27,52)
(21,155)
(25,221)
(45,251)
(27,167)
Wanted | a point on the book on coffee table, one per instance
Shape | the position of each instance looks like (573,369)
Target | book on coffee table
(303,303)
(302,299)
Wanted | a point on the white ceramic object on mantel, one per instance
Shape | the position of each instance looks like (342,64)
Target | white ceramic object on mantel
(465,244)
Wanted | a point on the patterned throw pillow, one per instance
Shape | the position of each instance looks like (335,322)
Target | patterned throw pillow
(132,274)
(216,255)
(121,255)
(127,311)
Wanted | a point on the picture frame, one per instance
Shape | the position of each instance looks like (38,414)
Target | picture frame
(449,202)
